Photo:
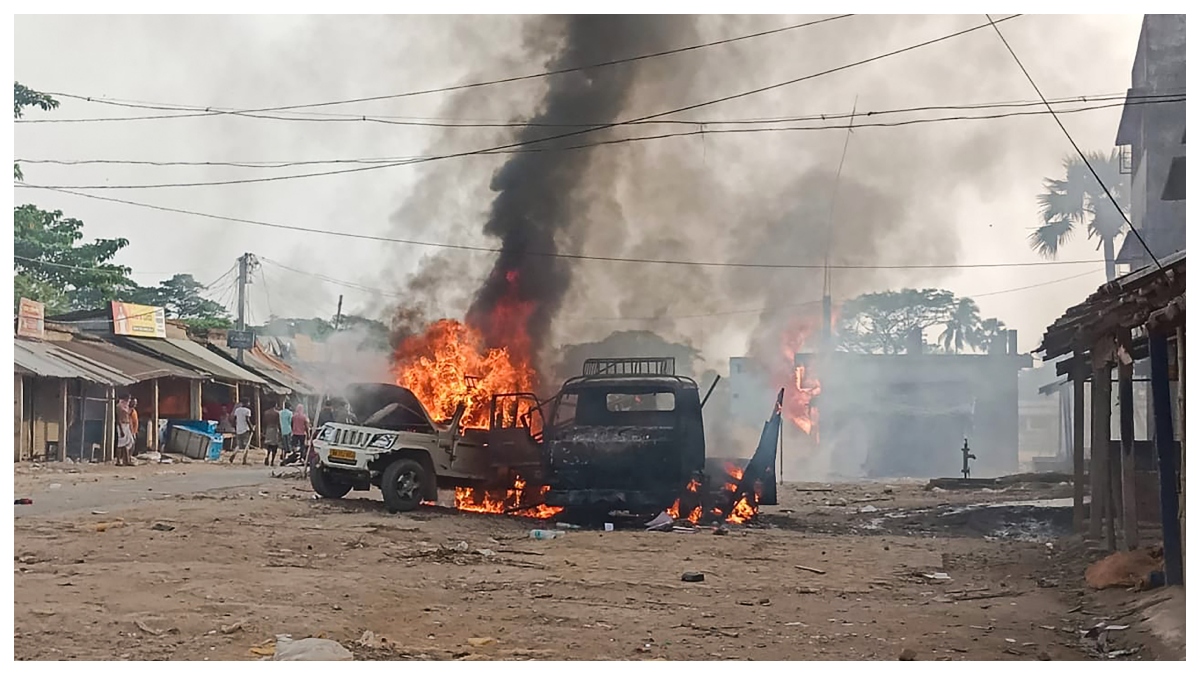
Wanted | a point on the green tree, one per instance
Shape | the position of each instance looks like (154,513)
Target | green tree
(54,268)
(993,334)
(1078,200)
(24,97)
(180,297)
(962,326)
(887,322)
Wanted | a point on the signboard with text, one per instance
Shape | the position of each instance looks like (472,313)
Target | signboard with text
(31,319)
(138,320)
(239,339)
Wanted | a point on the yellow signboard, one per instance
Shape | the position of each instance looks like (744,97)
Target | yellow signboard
(31,319)
(138,320)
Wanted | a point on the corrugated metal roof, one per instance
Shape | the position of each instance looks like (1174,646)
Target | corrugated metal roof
(134,364)
(46,359)
(263,365)
(196,357)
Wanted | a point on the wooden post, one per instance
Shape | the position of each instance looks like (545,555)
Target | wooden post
(62,424)
(1179,340)
(1128,479)
(107,444)
(19,382)
(1077,438)
(1101,409)
(195,398)
(1168,460)
(153,434)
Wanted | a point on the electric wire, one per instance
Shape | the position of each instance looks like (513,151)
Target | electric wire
(1075,145)
(611,125)
(566,256)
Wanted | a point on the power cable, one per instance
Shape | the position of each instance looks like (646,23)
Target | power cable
(506,80)
(396,160)
(618,141)
(1074,144)
(452,123)
(580,132)
(546,254)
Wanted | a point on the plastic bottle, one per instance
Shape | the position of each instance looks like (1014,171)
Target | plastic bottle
(545,534)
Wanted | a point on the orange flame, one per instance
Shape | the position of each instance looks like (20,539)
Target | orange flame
(799,386)
(511,500)
(742,511)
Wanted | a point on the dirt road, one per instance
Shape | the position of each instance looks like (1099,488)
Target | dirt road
(210,574)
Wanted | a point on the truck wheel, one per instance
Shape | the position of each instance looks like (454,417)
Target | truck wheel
(403,485)
(324,484)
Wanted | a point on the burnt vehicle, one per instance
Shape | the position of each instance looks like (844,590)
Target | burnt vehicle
(626,435)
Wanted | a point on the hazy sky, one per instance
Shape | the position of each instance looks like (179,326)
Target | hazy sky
(984,190)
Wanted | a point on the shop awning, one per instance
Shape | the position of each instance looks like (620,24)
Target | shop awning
(135,365)
(194,356)
(47,359)
(265,365)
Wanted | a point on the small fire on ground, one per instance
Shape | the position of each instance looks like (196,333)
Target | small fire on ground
(742,511)
(519,500)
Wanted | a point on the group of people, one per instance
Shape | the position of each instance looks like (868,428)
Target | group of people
(286,429)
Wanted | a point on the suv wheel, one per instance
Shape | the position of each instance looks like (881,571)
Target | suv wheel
(325,485)
(403,485)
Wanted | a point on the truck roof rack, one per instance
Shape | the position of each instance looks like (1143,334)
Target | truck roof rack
(661,365)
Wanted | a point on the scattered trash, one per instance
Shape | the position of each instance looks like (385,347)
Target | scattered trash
(692,577)
(801,624)
(98,512)
(908,654)
(810,569)
(232,628)
(1047,583)
(545,534)
(608,527)
(462,547)
(162,527)
(481,641)
(310,649)
(55,486)
(24,501)
(101,527)
(1123,652)
(43,612)
(373,641)
(937,576)
(868,509)
(485,552)
(663,522)
(567,526)
(263,650)
(720,530)
(1116,627)
(1010,641)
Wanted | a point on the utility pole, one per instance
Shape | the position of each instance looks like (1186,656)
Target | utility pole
(337,320)
(246,264)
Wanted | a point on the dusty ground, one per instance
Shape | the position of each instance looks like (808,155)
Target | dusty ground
(211,575)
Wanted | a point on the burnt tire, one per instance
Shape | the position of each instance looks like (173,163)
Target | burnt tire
(403,485)
(326,485)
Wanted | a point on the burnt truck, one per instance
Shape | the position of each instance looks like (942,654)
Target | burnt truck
(625,435)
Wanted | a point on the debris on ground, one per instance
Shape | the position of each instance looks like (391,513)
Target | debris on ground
(692,577)
(1125,569)
(310,649)
(908,655)
(481,641)
(162,527)
(814,570)
(663,522)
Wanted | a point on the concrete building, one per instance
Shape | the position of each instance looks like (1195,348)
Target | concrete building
(1153,134)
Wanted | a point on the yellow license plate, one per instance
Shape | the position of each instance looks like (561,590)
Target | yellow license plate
(341,454)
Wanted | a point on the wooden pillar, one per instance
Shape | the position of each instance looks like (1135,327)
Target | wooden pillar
(1168,460)
(1077,440)
(154,421)
(108,444)
(258,417)
(1101,407)
(62,420)
(1128,480)
(19,393)
(1179,340)
(196,395)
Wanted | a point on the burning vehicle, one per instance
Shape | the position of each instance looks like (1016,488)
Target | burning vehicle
(627,435)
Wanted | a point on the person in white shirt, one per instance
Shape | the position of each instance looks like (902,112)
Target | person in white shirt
(241,422)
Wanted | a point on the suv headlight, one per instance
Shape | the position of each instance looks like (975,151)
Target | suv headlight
(383,441)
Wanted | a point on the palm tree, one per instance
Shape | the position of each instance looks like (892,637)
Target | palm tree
(992,333)
(1078,200)
(962,328)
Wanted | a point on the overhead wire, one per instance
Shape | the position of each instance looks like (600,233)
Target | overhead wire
(1075,145)
(452,123)
(413,159)
(505,80)
(548,254)
(611,125)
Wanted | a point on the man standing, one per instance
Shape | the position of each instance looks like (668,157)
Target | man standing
(124,433)
(133,423)
(272,433)
(285,427)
